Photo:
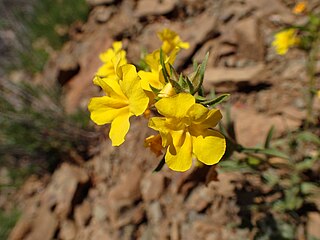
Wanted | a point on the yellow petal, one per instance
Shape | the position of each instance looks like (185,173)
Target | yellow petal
(105,109)
(107,55)
(212,119)
(154,143)
(138,100)
(182,160)
(184,45)
(153,60)
(159,124)
(209,148)
(150,78)
(116,90)
(167,91)
(198,112)
(119,128)
(117,46)
(176,106)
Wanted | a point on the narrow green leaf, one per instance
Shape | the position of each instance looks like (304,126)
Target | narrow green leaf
(309,137)
(201,91)
(182,82)
(195,65)
(269,137)
(177,87)
(200,99)
(174,74)
(217,100)
(160,165)
(197,78)
(271,152)
(190,86)
(156,91)
(309,188)
(164,70)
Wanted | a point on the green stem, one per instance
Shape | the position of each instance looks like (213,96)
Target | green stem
(311,71)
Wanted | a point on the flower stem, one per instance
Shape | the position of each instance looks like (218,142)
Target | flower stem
(311,71)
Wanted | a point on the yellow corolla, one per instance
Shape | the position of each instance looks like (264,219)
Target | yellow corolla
(171,40)
(155,77)
(300,7)
(112,59)
(124,98)
(186,130)
(284,40)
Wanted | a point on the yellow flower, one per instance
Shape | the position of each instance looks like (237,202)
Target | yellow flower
(284,40)
(155,77)
(124,98)
(154,143)
(171,40)
(318,93)
(300,7)
(186,130)
(167,91)
(113,59)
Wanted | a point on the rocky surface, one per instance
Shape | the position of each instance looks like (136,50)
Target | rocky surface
(116,195)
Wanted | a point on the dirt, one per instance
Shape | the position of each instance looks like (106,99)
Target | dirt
(115,195)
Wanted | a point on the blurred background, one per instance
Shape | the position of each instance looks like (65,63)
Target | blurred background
(60,178)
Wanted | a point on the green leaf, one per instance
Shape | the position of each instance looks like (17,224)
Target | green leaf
(306,164)
(174,74)
(197,78)
(252,161)
(190,86)
(269,137)
(309,188)
(182,82)
(216,101)
(271,177)
(270,151)
(195,65)
(156,91)
(177,87)
(160,165)
(164,69)
(308,137)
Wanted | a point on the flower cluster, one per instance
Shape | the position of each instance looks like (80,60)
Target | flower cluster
(187,119)
(284,40)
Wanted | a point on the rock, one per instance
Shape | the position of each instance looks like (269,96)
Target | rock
(87,53)
(133,215)
(223,74)
(21,229)
(253,132)
(154,213)
(100,234)
(82,214)
(67,230)
(200,198)
(156,7)
(313,224)
(152,186)
(124,193)
(68,68)
(61,192)
(249,39)
(149,40)
(99,212)
(48,223)
(102,13)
